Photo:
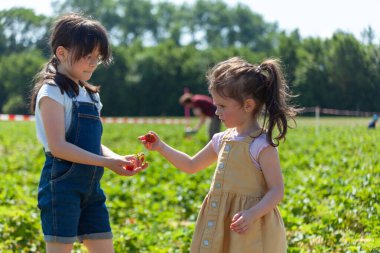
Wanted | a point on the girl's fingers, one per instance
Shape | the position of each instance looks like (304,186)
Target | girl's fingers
(237,221)
(236,216)
(141,167)
(239,228)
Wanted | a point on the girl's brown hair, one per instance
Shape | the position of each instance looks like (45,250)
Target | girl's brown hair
(81,36)
(265,83)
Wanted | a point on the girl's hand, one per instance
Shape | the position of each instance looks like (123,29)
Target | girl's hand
(241,221)
(150,140)
(119,165)
(138,162)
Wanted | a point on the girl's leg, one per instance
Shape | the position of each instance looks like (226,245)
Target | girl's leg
(99,246)
(55,247)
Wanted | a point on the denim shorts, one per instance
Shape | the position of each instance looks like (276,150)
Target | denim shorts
(72,203)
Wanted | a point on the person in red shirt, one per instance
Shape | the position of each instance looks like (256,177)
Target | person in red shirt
(202,107)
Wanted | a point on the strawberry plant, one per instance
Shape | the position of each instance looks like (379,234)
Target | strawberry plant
(331,174)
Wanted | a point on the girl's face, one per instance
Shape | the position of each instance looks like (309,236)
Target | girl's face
(231,112)
(81,69)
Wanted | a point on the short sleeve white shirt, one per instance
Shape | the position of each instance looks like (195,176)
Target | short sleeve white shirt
(53,92)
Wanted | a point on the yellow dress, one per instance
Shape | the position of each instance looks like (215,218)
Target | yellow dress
(237,185)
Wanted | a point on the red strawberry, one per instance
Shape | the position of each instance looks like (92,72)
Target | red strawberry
(129,167)
(140,157)
(148,138)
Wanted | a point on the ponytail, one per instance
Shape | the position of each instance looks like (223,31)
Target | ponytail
(47,73)
(276,108)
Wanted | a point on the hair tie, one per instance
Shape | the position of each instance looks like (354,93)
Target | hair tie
(259,70)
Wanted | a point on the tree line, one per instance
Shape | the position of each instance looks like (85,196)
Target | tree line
(162,48)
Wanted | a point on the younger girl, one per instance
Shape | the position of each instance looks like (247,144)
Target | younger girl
(240,214)
(67,110)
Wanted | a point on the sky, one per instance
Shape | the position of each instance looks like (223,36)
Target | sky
(313,18)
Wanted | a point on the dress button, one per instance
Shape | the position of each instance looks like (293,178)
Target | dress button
(214,204)
(218,185)
(221,165)
(227,148)
(205,242)
(210,224)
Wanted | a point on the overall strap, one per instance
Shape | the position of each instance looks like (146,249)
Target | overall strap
(91,94)
(73,96)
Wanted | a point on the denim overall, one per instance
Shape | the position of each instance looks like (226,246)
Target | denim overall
(71,201)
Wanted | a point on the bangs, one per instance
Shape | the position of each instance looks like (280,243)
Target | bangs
(86,38)
(229,86)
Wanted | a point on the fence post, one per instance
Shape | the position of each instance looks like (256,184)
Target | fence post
(317,115)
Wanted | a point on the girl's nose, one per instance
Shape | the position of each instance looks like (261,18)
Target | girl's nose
(217,112)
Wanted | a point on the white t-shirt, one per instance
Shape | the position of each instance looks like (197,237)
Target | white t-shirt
(53,92)
(255,147)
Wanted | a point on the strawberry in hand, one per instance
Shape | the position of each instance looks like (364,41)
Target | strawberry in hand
(151,141)
(129,167)
(138,161)
(149,137)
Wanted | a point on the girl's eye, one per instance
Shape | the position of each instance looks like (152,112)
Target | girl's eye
(93,60)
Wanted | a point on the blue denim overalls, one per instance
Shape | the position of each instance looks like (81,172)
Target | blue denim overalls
(71,201)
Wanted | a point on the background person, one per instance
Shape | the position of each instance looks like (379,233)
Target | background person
(372,123)
(202,107)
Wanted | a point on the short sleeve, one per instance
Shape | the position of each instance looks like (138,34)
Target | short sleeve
(217,141)
(256,147)
(51,91)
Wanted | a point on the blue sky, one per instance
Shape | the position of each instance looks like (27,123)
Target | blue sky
(317,18)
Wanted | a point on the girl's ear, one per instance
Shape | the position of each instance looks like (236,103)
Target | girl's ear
(61,53)
(249,105)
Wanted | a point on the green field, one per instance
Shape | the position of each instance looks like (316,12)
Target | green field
(332,189)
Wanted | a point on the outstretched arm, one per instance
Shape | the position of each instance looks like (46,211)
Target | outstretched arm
(204,158)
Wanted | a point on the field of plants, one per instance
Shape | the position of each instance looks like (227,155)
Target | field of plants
(331,170)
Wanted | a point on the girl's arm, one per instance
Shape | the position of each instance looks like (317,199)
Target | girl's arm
(270,165)
(107,152)
(181,160)
(52,114)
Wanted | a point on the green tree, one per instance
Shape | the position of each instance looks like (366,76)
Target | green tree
(349,71)
(287,52)
(160,48)
(17,71)
(21,29)
(311,84)
(170,22)
(250,30)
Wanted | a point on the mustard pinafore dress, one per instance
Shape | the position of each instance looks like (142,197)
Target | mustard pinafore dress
(237,185)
